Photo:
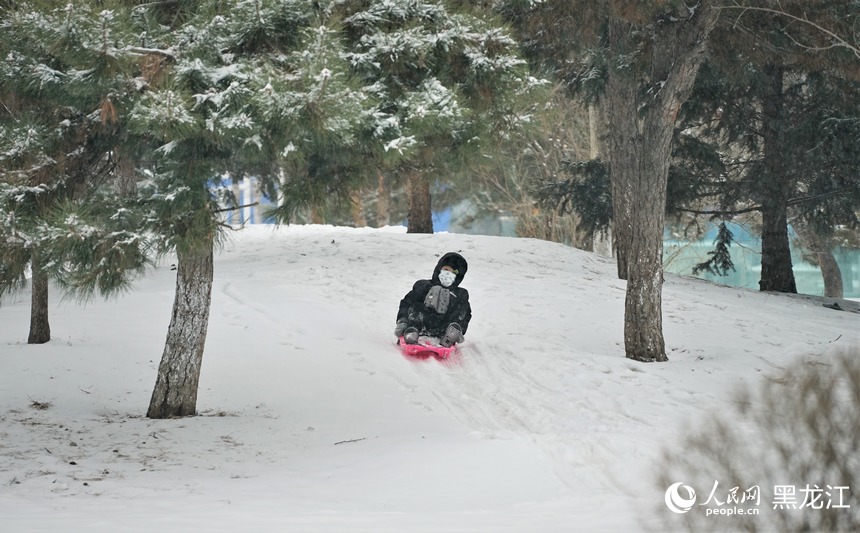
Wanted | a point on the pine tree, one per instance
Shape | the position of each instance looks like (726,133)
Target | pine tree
(328,115)
(171,96)
(644,59)
(720,261)
(776,128)
(61,83)
(236,88)
(446,82)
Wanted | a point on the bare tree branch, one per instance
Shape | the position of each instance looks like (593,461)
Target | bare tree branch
(153,51)
(236,207)
(839,41)
(793,201)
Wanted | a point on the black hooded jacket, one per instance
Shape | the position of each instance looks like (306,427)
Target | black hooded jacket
(428,320)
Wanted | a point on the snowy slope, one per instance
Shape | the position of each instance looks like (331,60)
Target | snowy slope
(312,421)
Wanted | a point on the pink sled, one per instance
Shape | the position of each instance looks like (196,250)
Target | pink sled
(423,351)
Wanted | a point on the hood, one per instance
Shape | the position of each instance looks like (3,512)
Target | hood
(455,261)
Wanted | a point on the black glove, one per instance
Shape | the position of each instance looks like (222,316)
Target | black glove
(410,336)
(453,335)
(399,329)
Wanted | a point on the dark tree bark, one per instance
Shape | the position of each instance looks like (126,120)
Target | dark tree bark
(126,178)
(40,329)
(383,201)
(623,141)
(420,216)
(175,392)
(776,186)
(643,323)
(641,128)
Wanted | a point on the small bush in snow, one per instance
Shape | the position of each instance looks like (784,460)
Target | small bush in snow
(789,451)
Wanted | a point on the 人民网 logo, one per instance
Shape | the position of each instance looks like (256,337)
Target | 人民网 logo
(678,503)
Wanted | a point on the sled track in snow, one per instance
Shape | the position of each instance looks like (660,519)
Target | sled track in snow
(504,394)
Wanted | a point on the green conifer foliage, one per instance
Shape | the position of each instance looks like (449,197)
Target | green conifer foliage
(242,88)
(63,82)
(720,261)
(582,187)
(446,82)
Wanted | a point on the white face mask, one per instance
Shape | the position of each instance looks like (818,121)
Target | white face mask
(446,278)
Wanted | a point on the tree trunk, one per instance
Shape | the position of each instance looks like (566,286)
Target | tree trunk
(316,215)
(589,241)
(821,255)
(126,175)
(383,201)
(357,204)
(595,121)
(831,273)
(420,217)
(643,323)
(776,187)
(175,391)
(40,329)
(624,138)
(847,281)
(641,128)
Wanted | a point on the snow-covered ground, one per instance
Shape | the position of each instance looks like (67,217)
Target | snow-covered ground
(311,420)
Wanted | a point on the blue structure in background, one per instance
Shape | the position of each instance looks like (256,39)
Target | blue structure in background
(680,256)
(247,193)
(441,220)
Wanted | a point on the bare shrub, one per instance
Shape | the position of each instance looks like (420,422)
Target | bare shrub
(503,185)
(798,432)
(40,406)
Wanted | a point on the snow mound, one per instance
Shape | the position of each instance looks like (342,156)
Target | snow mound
(310,418)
